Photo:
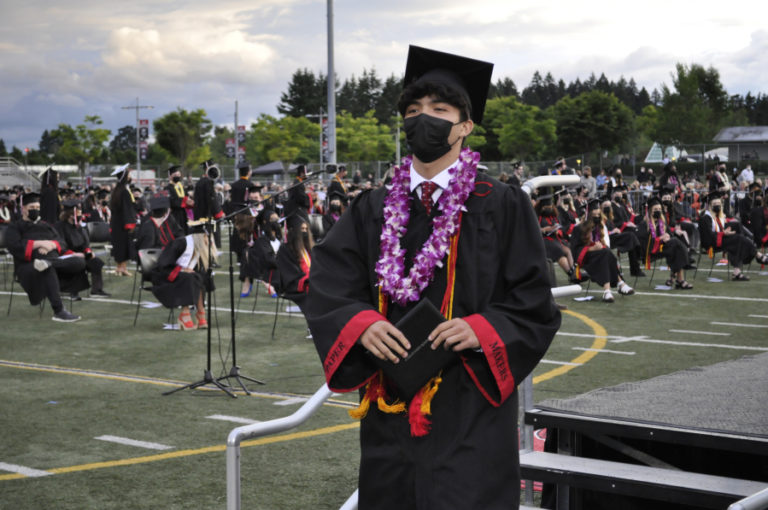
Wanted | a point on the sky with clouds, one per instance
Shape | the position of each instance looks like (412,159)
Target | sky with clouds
(62,61)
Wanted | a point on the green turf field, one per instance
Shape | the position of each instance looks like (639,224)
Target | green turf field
(65,385)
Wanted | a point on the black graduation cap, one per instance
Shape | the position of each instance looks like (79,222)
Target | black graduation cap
(255,186)
(102,194)
(714,195)
(30,198)
(173,168)
(652,201)
(159,201)
(49,177)
(594,204)
(295,220)
(71,204)
(465,75)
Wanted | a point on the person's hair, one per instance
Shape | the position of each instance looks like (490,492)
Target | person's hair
(202,243)
(295,239)
(116,201)
(417,90)
(65,214)
(244,225)
(588,227)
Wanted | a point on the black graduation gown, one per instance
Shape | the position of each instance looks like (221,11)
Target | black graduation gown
(260,262)
(600,264)
(238,195)
(150,235)
(337,187)
(674,251)
(293,279)
(469,459)
(553,240)
(121,223)
(740,249)
(178,199)
(298,200)
(207,203)
(172,286)
(76,240)
(65,274)
(50,204)
(758,221)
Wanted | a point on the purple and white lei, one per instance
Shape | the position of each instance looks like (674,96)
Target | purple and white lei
(391,265)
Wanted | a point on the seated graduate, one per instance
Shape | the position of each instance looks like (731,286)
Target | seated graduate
(36,248)
(294,259)
(555,241)
(76,243)
(260,258)
(160,227)
(626,241)
(679,224)
(720,232)
(336,206)
(591,244)
(758,220)
(7,208)
(181,275)
(657,238)
(246,229)
(567,212)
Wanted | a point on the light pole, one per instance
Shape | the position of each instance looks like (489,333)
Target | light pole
(137,108)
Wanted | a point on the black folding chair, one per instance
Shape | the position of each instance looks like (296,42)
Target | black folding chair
(147,261)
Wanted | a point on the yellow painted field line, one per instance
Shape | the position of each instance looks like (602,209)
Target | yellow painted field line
(198,451)
(599,343)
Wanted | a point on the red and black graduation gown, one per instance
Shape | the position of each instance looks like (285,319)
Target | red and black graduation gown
(171,285)
(739,248)
(152,235)
(600,264)
(67,274)
(76,241)
(674,251)
(293,269)
(758,224)
(469,458)
(179,203)
(121,224)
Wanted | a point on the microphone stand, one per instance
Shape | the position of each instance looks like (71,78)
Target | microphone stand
(207,375)
(234,371)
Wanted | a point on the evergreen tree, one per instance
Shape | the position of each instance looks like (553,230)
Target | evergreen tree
(306,94)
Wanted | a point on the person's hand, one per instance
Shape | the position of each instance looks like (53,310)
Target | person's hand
(665,238)
(190,201)
(385,341)
(631,224)
(78,254)
(455,334)
(728,231)
(188,270)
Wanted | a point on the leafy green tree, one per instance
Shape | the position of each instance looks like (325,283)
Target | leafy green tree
(517,130)
(123,146)
(286,139)
(306,94)
(592,121)
(84,144)
(181,133)
(695,110)
(363,138)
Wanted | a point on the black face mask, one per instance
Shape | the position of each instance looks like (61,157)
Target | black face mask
(104,203)
(656,215)
(427,136)
(176,178)
(606,210)
(758,202)
(33,215)
(716,209)
(597,219)
(305,236)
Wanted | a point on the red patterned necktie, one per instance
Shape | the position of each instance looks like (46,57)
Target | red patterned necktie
(427,188)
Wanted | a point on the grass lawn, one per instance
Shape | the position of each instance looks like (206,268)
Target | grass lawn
(65,385)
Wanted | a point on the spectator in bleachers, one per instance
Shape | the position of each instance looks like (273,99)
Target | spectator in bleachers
(36,248)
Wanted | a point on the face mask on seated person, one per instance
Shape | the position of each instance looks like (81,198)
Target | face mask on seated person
(716,209)
(656,215)
(33,215)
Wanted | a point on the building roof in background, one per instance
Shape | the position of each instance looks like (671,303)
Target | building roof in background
(738,134)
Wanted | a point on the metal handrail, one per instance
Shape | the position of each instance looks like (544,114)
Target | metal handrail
(239,434)
(757,501)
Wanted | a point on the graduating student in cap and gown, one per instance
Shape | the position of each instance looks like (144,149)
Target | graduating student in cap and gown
(590,244)
(722,233)
(122,221)
(76,243)
(656,238)
(50,202)
(239,191)
(477,255)
(294,259)
(37,248)
(160,228)
(180,202)
(180,277)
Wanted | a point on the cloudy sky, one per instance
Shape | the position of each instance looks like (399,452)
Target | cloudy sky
(61,61)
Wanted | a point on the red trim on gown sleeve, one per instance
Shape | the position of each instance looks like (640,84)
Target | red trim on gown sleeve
(173,274)
(496,353)
(28,250)
(720,239)
(346,340)
(129,226)
(58,246)
(219,215)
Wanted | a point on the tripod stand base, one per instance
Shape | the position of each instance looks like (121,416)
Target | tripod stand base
(207,379)
(234,373)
